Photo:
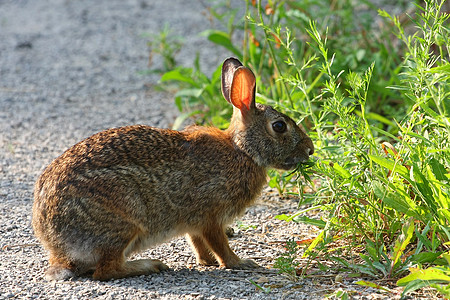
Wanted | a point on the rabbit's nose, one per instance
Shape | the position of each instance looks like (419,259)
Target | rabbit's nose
(309,151)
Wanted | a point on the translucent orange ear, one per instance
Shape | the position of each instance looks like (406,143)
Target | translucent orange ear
(229,66)
(242,93)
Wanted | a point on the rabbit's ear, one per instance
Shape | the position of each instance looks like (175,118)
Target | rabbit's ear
(228,68)
(242,93)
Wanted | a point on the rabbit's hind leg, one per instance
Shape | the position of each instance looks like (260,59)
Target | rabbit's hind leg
(67,264)
(114,266)
(60,268)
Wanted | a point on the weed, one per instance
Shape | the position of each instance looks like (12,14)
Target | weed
(243,226)
(378,111)
(167,46)
(287,262)
(266,290)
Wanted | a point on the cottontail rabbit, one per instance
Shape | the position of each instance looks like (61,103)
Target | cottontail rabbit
(124,190)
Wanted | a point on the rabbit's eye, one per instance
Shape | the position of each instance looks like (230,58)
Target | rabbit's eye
(279,126)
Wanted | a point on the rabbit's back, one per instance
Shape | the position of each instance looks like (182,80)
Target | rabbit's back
(157,182)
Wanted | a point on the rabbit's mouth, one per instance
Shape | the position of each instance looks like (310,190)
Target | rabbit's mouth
(300,157)
(287,167)
(292,162)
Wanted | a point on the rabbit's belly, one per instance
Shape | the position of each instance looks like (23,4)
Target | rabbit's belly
(148,240)
(85,251)
(81,253)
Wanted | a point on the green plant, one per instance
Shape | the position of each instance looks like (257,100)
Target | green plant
(437,277)
(244,226)
(280,181)
(339,294)
(265,52)
(382,192)
(380,126)
(198,96)
(266,290)
(166,45)
(287,262)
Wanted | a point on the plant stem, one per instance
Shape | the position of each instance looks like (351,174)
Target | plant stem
(272,53)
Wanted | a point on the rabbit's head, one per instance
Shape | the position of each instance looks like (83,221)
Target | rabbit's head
(271,138)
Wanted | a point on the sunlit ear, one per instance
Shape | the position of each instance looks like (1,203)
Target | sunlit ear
(228,68)
(242,93)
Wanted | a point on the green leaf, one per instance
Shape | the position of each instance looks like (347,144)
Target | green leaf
(438,169)
(264,289)
(391,165)
(413,286)
(447,257)
(360,54)
(181,118)
(420,137)
(384,13)
(303,219)
(423,274)
(343,295)
(423,237)
(313,245)
(425,257)
(379,189)
(177,75)
(341,171)
(445,213)
(223,39)
(372,285)
(189,93)
(393,200)
(403,240)
(380,267)
(441,69)
(287,218)
(423,186)
(383,132)
(340,260)
(380,118)
(374,264)
(331,148)
(371,250)
(430,112)
(284,217)
(179,103)
(365,270)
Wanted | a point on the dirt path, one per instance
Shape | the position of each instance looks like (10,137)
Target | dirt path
(71,68)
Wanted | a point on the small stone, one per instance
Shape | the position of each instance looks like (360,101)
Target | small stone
(262,279)
(24,45)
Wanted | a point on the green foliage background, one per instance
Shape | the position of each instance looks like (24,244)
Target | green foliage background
(373,91)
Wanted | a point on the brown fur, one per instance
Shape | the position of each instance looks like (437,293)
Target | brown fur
(126,189)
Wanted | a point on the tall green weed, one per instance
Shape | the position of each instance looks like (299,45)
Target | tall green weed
(377,108)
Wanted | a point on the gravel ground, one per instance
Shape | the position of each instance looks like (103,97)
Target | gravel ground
(69,69)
